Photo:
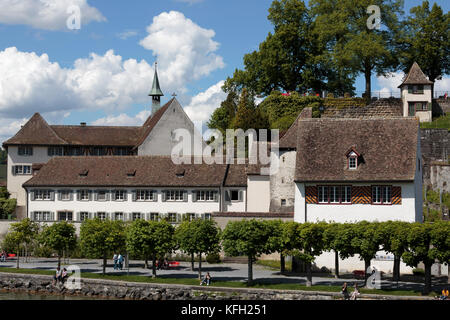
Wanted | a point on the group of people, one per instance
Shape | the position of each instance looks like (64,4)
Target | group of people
(118,261)
(354,294)
(60,275)
(164,264)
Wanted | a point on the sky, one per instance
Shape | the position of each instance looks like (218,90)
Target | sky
(99,68)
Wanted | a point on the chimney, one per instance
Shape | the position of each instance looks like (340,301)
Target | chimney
(83,124)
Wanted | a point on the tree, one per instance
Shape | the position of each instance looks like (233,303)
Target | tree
(197,237)
(425,39)
(440,239)
(7,207)
(23,233)
(419,250)
(100,238)
(356,48)
(276,241)
(60,237)
(394,239)
(310,243)
(151,239)
(282,58)
(249,238)
(223,116)
(248,116)
(366,242)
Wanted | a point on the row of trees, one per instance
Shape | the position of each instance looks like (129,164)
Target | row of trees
(152,240)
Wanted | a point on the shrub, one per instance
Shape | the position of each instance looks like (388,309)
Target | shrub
(213,258)
(418,272)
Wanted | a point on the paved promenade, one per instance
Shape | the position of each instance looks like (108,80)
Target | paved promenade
(219,272)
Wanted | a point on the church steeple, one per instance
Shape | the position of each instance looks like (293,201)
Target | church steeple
(156,92)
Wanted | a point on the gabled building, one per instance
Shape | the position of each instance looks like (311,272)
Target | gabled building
(349,170)
(417,94)
(37,142)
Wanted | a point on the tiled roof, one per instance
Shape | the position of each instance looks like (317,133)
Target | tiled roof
(37,132)
(134,171)
(384,107)
(415,76)
(388,149)
(289,139)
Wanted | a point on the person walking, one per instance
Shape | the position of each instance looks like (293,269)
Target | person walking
(120,260)
(345,291)
(115,258)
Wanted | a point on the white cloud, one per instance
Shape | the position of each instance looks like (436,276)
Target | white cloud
(203,105)
(46,14)
(127,34)
(442,86)
(185,51)
(31,83)
(123,119)
(9,127)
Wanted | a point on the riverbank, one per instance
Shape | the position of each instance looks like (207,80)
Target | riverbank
(110,289)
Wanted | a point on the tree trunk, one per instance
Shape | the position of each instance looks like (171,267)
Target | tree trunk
(448,273)
(18,255)
(282,264)
(146,263)
(308,274)
(200,267)
(367,76)
(59,260)
(104,264)
(192,261)
(366,275)
(427,288)
(250,271)
(336,264)
(154,267)
(396,271)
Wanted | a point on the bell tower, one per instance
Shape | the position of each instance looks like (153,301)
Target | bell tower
(156,92)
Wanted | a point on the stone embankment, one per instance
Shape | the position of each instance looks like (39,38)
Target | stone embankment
(108,289)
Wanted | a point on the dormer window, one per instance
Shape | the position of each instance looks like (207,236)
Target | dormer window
(352,159)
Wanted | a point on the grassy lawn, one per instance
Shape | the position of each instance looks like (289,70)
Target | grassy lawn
(274,264)
(443,122)
(227,284)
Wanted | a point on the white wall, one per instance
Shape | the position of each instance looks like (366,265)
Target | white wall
(258,190)
(14,183)
(235,206)
(128,206)
(424,116)
(406,211)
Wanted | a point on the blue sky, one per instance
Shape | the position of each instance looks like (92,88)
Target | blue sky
(102,72)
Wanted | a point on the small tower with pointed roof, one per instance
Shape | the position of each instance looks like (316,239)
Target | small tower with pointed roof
(156,92)
(417,94)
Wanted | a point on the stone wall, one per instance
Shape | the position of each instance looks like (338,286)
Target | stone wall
(435,146)
(144,291)
(440,176)
(387,108)
(441,106)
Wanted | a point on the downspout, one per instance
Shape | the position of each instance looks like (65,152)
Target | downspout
(221,199)
(306,205)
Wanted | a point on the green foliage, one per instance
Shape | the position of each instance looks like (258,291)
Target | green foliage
(100,238)
(59,237)
(440,239)
(418,272)
(367,239)
(198,236)
(419,242)
(394,236)
(4,194)
(248,116)
(213,258)
(425,39)
(7,207)
(247,237)
(278,107)
(223,116)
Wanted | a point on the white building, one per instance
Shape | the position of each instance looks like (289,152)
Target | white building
(417,95)
(135,187)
